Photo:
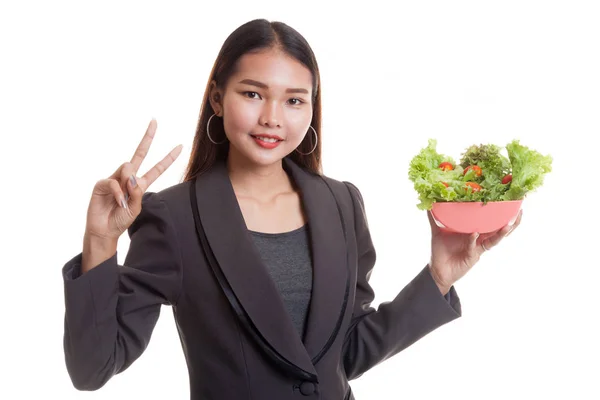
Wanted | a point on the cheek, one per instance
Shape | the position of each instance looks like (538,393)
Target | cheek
(299,121)
(240,117)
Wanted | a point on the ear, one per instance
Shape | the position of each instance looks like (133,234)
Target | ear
(215,97)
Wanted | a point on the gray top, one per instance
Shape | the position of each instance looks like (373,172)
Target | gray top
(288,259)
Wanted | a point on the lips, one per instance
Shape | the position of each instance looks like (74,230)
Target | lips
(267,141)
(268,138)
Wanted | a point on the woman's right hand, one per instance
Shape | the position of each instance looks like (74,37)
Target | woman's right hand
(117,201)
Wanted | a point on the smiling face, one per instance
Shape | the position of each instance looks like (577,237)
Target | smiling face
(266,107)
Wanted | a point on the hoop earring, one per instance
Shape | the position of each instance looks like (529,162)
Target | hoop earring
(208,132)
(316,143)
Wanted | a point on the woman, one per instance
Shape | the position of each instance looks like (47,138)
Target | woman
(264,260)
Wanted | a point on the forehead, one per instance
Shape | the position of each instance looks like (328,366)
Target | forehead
(274,68)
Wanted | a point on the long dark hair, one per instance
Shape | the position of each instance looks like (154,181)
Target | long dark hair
(254,36)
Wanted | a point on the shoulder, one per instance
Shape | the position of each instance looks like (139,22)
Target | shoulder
(349,187)
(351,196)
(171,195)
(353,203)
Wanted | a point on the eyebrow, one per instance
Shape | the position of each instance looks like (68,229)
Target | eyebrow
(264,86)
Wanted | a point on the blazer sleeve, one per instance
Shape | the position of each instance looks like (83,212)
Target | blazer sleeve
(376,335)
(111,311)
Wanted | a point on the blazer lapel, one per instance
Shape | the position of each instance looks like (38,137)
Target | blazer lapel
(329,255)
(242,266)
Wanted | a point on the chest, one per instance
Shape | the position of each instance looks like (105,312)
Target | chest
(283,213)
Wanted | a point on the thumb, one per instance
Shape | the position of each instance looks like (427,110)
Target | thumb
(134,201)
(435,229)
(473,241)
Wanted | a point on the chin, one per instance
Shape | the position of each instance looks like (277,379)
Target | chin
(254,155)
(265,160)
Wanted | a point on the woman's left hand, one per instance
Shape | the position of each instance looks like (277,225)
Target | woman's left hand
(454,254)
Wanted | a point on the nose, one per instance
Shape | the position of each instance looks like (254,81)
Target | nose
(271,116)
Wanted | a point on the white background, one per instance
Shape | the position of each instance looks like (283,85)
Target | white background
(79,82)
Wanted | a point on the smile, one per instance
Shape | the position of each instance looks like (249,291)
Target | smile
(267,142)
(266,139)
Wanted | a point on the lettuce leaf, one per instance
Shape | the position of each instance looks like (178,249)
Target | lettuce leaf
(526,166)
(494,166)
(489,158)
(528,170)
(429,179)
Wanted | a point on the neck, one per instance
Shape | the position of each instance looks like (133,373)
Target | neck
(257,181)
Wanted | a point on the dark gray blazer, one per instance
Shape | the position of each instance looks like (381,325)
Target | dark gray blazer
(190,249)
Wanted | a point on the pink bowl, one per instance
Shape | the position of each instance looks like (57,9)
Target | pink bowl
(470,217)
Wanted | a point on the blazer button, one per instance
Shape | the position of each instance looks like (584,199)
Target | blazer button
(307,388)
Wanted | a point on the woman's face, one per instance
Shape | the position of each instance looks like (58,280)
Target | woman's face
(266,107)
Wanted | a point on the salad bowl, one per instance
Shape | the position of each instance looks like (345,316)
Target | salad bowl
(483,191)
(470,217)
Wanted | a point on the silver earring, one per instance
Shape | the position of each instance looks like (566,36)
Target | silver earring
(316,142)
(208,132)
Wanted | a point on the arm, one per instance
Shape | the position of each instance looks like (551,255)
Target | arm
(111,310)
(376,335)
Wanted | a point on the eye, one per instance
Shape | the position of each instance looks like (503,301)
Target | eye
(296,101)
(252,95)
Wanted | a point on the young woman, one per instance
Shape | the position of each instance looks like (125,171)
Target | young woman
(264,260)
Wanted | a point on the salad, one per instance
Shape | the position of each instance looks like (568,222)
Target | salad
(483,174)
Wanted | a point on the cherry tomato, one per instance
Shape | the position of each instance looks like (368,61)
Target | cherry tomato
(475,168)
(507,179)
(474,186)
(446,166)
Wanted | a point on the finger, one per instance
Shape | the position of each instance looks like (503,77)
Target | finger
(135,194)
(481,244)
(112,186)
(142,150)
(432,222)
(493,240)
(117,174)
(516,223)
(473,243)
(117,192)
(125,174)
(159,168)
(488,243)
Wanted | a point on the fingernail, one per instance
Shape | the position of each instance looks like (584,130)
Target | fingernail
(133,181)
(124,204)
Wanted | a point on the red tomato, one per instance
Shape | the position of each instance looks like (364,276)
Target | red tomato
(446,166)
(507,179)
(445,184)
(474,186)
(475,168)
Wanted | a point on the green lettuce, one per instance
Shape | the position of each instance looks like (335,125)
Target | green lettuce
(434,184)
(494,166)
(528,170)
